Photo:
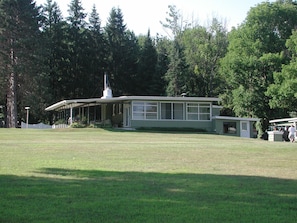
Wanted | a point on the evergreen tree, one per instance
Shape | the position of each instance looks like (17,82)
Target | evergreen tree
(19,34)
(56,59)
(96,56)
(147,80)
(177,74)
(76,16)
(77,41)
(51,15)
(163,46)
(122,54)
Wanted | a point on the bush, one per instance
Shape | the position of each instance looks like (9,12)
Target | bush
(78,125)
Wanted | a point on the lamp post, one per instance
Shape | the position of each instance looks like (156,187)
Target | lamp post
(27,121)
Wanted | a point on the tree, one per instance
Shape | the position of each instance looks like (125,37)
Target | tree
(96,56)
(76,16)
(19,27)
(122,50)
(256,50)
(163,46)
(283,92)
(147,80)
(174,23)
(51,15)
(177,71)
(204,47)
(55,33)
(77,76)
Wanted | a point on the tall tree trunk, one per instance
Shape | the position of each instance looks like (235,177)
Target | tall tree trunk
(11,94)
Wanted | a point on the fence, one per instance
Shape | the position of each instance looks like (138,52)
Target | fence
(43,126)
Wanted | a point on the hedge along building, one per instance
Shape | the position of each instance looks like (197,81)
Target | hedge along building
(200,113)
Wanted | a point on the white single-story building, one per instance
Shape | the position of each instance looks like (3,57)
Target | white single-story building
(200,113)
(134,112)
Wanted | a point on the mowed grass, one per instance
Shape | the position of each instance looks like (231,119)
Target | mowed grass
(96,175)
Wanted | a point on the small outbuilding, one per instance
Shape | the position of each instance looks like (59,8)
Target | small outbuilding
(234,126)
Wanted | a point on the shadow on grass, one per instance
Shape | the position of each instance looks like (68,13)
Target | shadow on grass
(65,195)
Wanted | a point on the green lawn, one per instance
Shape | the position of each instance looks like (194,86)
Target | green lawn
(95,175)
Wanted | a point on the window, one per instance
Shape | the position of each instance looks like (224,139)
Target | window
(198,111)
(229,127)
(173,111)
(145,110)
(244,126)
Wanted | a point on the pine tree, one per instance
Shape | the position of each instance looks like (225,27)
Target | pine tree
(146,77)
(19,29)
(163,46)
(122,54)
(96,56)
(77,42)
(54,32)
(177,72)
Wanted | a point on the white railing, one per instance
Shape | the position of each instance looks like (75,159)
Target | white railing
(60,126)
(43,126)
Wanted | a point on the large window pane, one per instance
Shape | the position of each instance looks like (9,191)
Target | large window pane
(138,116)
(166,111)
(198,111)
(151,116)
(138,107)
(172,111)
(145,110)
(151,107)
(178,111)
(204,109)
(193,109)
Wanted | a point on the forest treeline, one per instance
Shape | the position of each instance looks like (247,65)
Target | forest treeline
(46,58)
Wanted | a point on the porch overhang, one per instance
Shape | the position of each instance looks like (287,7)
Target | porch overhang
(76,103)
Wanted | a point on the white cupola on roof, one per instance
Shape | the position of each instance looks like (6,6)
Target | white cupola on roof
(107,92)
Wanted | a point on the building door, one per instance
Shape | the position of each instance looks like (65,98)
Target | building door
(245,129)
(127,115)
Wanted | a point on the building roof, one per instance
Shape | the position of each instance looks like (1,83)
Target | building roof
(73,103)
(283,120)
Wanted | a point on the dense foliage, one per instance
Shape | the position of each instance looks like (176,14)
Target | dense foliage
(46,58)
(257,53)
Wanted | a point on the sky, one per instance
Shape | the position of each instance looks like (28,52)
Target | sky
(141,16)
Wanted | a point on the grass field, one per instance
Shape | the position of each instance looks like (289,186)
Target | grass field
(96,175)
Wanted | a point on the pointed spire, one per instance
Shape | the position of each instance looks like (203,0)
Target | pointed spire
(107,92)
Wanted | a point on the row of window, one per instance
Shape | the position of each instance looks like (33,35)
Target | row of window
(171,111)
